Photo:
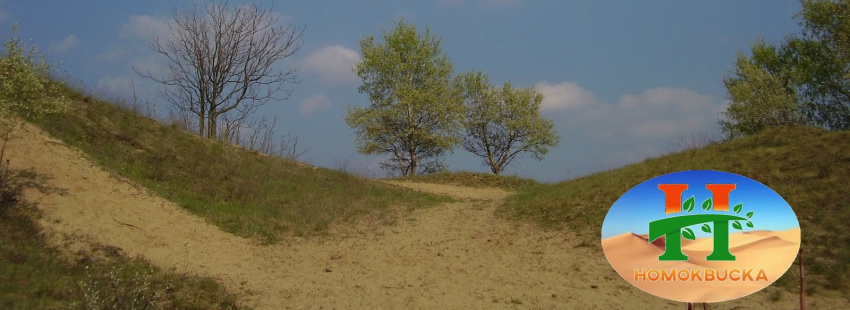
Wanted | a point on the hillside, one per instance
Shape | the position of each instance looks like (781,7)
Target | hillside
(454,255)
(243,192)
(808,167)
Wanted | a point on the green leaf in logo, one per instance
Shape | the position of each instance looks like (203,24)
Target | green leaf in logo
(738,208)
(689,204)
(706,228)
(737,225)
(707,204)
(750,214)
(750,224)
(688,233)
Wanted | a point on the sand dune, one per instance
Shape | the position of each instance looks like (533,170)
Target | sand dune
(768,250)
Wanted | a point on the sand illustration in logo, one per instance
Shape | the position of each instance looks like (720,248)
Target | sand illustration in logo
(700,280)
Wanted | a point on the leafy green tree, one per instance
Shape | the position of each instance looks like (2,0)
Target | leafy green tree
(415,112)
(822,58)
(503,122)
(761,94)
(804,80)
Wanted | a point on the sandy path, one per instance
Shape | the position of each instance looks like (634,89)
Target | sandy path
(453,256)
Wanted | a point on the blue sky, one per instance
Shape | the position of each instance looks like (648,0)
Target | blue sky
(645,202)
(624,80)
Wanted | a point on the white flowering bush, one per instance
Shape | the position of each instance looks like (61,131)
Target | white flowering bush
(118,287)
(25,86)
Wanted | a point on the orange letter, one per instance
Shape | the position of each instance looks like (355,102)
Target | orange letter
(721,195)
(673,197)
(761,275)
(725,273)
(695,275)
(685,272)
(709,274)
(640,273)
(668,276)
(649,274)
(734,278)
(747,274)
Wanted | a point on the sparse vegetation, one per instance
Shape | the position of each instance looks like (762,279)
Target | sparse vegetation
(243,192)
(223,64)
(472,179)
(806,166)
(37,275)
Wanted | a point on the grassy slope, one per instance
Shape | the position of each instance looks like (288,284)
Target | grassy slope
(808,167)
(245,193)
(36,275)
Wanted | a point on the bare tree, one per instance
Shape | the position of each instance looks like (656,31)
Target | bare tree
(225,61)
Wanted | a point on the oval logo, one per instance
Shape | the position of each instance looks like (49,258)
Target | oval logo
(700,236)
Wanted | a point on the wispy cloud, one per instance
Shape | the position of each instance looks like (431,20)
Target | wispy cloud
(144,27)
(634,127)
(315,104)
(65,44)
(334,64)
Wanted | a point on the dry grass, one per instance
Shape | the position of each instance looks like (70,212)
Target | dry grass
(808,167)
(243,192)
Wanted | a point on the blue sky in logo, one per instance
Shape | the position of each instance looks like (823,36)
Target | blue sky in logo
(645,202)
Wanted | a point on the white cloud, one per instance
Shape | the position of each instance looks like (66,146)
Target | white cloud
(333,63)
(315,104)
(634,127)
(564,96)
(144,27)
(66,44)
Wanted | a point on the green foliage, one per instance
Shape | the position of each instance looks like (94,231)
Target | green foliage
(25,86)
(503,122)
(707,204)
(688,205)
(759,98)
(803,81)
(415,112)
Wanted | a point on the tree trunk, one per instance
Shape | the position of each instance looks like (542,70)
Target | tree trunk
(212,126)
(413,164)
(201,119)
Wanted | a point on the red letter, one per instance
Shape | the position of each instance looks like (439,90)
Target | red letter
(721,195)
(673,197)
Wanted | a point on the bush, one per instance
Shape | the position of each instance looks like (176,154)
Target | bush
(25,85)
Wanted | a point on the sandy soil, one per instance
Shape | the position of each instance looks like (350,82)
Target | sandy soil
(761,250)
(453,256)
